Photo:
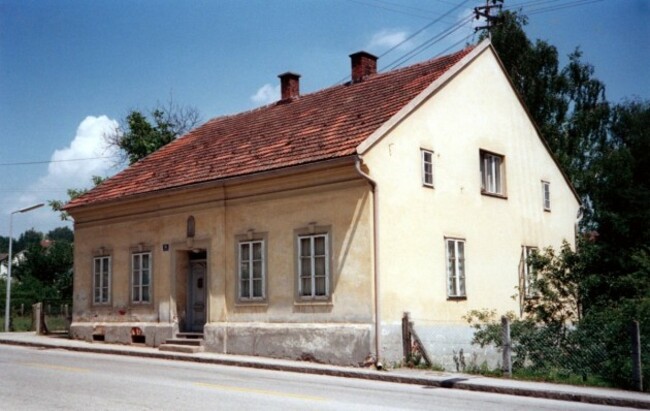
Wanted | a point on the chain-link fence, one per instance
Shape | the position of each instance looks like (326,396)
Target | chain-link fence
(613,354)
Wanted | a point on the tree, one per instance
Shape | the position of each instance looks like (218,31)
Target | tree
(44,272)
(620,194)
(61,234)
(140,135)
(4,244)
(27,239)
(57,205)
(568,104)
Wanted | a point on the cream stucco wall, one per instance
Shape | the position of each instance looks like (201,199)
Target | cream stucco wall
(476,110)
(334,197)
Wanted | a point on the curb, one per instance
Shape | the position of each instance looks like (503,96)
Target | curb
(451,383)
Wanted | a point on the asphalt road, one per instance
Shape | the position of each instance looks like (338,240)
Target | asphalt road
(38,379)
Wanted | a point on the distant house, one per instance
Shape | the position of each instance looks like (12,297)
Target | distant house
(4,258)
(305,228)
(17,258)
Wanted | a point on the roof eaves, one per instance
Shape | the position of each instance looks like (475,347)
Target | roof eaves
(297,168)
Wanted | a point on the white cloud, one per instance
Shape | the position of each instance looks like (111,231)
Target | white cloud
(266,94)
(89,142)
(62,174)
(388,38)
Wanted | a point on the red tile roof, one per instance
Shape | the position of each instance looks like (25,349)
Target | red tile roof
(323,125)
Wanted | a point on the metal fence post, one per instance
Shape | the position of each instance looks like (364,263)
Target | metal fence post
(637,376)
(507,351)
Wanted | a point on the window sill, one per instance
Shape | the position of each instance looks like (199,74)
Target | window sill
(245,304)
(140,305)
(457,298)
(495,195)
(327,303)
(547,210)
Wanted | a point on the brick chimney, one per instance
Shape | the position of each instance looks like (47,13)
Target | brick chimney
(364,65)
(289,85)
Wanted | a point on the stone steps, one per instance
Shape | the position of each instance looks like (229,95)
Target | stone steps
(185,342)
(188,349)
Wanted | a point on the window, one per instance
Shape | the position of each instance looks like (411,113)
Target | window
(102,280)
(529,275)
(492,174)
(455,268)
(546,195)
(141,277)
(251,270)
(313,266)
(427,168)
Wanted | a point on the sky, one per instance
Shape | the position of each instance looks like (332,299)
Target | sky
(70,70)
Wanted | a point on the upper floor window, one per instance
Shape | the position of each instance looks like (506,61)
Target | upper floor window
(102,280)
(141,277)
(492,173)
(252,270)
(427,168)
(546,195)
(455,267)
(313,266)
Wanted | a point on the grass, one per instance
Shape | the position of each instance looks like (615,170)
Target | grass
(21,323)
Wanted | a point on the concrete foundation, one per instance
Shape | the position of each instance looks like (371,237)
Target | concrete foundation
(150,334)
(443,343)
(340,344)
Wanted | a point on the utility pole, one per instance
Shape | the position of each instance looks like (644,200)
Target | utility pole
(485,12)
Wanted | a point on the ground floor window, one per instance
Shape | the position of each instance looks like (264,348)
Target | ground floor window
(313,266)
(102,280)
(455,267)
(141,277)
(252,270)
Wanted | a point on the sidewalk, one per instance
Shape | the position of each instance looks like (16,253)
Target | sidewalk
(590,395)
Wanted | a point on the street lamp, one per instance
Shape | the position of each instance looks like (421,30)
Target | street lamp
(11,216)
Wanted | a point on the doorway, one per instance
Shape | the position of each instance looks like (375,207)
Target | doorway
(196,298)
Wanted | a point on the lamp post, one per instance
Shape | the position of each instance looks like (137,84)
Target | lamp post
(9,261)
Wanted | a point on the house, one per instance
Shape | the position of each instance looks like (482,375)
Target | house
(305,228)
(4,258)
(16,258)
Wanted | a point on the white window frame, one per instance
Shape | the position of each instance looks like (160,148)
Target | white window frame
(456,268)
(546,195)
(102,280)
(492,173)
(250,262)
(529,271)
(311,292)
(137,272)
(427,175)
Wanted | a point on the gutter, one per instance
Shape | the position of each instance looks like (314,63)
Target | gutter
(375,244)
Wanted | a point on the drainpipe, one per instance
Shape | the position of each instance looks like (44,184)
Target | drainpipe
(375,244)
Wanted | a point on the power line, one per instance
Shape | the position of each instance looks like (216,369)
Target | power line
(544,6)
(563,6)
(437,20)
(26,163)
(424,28)
(428,43)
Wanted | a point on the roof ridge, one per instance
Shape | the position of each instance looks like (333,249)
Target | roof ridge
(336,86)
